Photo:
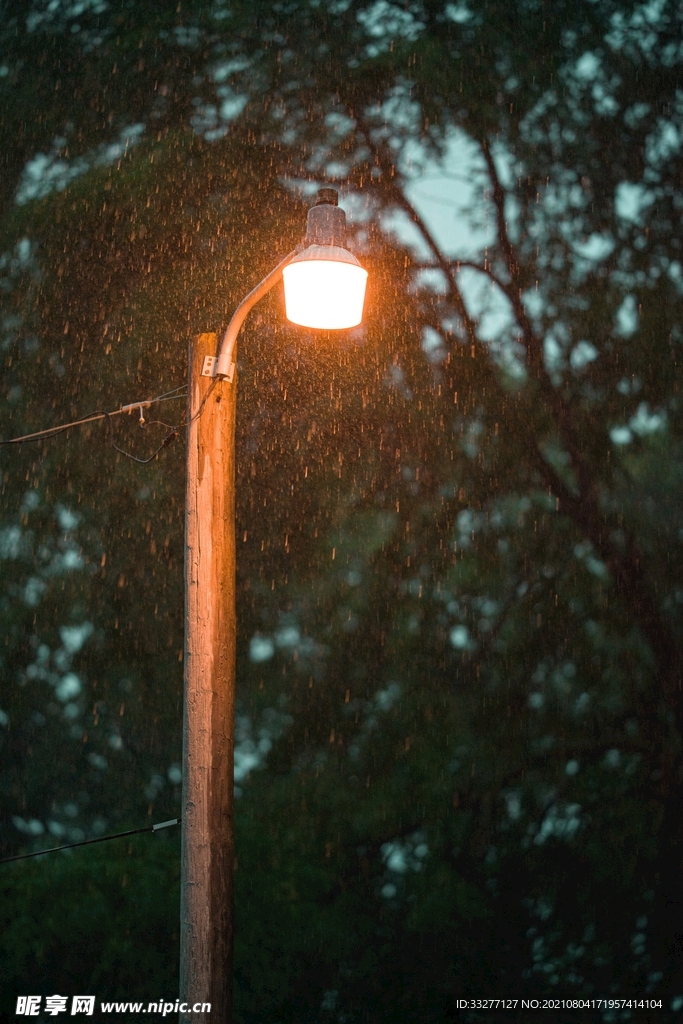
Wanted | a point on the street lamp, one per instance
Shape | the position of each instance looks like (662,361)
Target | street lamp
(324,288)
(325,284)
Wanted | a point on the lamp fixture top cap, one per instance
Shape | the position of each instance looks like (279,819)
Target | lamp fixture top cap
(326,221)
(327,195)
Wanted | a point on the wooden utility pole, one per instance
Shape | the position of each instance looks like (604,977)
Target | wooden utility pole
(206,907)
(208,843)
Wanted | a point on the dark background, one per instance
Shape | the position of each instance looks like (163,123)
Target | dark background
(459,653)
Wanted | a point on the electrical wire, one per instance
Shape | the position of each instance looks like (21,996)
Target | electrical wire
(53,431)
(167,393)
(174,430)
(88,842)
(170,437)
(143,462)
(204,400)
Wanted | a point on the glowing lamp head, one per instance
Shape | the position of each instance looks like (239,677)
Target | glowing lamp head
(325,288)
(325,284)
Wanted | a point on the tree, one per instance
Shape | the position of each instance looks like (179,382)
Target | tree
(461,626)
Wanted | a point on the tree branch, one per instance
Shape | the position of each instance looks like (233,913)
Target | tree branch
(383,159)
(532,343)
(583,508)
(459,264)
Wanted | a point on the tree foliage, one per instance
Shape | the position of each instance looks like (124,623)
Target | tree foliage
(459,527)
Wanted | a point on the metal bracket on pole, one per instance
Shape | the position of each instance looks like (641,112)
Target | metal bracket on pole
(209,368)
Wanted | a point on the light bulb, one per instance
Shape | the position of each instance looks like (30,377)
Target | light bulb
(325,288)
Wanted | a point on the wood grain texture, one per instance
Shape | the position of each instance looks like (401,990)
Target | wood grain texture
(206,911)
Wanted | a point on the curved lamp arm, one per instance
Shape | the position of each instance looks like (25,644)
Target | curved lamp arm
(225,353)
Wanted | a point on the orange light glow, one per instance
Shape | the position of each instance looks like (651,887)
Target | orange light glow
(324,293)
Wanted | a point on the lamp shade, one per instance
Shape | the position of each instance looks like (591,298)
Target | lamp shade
(325,288)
